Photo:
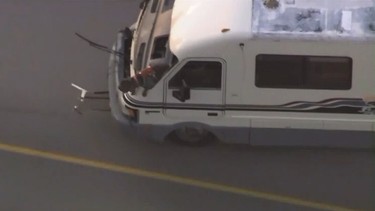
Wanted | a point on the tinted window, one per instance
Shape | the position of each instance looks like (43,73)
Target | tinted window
(199,75)
(328,73)
(303,72)
(160,47)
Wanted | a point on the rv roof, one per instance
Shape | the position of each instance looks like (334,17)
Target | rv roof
(197,24)
(338,19)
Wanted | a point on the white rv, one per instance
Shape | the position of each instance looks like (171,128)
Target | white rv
(263,72)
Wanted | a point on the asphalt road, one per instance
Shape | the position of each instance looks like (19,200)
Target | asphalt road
(54,159)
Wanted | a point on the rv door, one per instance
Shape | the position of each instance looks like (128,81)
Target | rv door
(196,88)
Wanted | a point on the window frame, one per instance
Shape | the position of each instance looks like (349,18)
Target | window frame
(158,38)
(182,65)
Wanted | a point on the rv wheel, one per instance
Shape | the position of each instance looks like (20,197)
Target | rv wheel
(192,136)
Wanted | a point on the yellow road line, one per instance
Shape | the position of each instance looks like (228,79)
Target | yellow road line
(170,178)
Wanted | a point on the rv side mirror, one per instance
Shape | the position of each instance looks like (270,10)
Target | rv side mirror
(183,93)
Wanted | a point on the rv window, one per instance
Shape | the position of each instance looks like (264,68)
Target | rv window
(198,75)
(303,72)
(278,71)
(154,6)
(328,73)
(160,47)
(168,4)
(139,59)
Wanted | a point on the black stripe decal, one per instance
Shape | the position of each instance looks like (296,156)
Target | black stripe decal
(333,105)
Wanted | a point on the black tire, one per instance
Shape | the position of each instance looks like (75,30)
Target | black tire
(191,136)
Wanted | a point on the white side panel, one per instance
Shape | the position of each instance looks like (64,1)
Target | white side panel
(286,123)
(348,125)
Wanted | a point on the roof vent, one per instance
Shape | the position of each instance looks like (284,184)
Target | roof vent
(225,30)
(346,20)
(271,4)
(290,2)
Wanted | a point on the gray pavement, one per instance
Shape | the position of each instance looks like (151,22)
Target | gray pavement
(40,57)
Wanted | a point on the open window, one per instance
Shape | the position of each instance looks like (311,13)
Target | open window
(197,82)
(160,47)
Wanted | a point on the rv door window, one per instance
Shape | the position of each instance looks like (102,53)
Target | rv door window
(303,72)
(198,75)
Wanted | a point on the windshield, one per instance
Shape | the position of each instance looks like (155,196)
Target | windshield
(151,45)
(152,35)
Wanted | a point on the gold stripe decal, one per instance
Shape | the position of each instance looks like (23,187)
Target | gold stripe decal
(169,178)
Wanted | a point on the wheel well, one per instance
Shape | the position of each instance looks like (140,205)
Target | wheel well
(210,136)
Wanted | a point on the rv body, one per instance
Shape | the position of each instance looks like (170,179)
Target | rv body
(299,74)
